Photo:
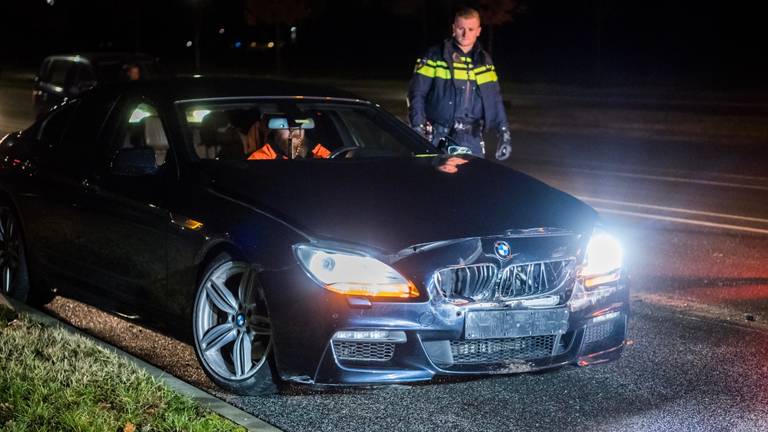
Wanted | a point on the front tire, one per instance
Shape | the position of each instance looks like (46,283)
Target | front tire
(232,330)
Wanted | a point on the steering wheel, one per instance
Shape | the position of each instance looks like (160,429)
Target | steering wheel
(340,151)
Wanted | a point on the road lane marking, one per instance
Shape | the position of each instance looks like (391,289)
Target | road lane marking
(673,209)
(672,179)
(684,221)
(669,172)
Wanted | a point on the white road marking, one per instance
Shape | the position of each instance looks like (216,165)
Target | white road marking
(684,221)
(670,179)
(668,172)
(673,209)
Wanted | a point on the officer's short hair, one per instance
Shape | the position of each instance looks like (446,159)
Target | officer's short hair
(467,13)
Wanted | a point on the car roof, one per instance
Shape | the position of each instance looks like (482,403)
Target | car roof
(205,87)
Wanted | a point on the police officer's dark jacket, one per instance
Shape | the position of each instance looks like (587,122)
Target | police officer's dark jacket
(432,90)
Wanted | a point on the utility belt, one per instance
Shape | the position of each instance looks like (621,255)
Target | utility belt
(464,136)
(464,126)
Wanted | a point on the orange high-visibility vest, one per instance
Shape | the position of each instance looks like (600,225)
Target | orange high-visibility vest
(267,152)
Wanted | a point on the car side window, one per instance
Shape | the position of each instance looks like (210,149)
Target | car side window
(45,71)
(140,129)
(58,72)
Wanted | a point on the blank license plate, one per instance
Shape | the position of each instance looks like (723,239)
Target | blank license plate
(508,324)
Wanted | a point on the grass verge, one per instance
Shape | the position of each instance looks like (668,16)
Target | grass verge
(56,381)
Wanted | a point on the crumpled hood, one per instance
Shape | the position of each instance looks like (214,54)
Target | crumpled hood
(390,204)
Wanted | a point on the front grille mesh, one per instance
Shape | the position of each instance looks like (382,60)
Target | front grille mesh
(364,351)
(596,332)
(475,281)
(502,350)
(531,279)
(485,282)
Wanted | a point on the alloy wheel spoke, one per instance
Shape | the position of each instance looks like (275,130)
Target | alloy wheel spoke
(221,297)
(218,336)
(244,289)
(260,325)
(241,355)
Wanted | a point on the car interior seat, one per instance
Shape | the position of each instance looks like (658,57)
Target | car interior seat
(154,137)
(219,139)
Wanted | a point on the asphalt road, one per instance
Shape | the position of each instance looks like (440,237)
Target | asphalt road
(679,374)
(693,217)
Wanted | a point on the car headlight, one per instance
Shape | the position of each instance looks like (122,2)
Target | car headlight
(603,259)
(353,274)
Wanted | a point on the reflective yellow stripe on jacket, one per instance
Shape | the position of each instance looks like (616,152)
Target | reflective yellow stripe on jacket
(439,69)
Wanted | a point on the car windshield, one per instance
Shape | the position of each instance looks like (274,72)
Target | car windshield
(295,128)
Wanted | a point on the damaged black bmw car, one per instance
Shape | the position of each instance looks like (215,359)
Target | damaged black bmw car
(294,233)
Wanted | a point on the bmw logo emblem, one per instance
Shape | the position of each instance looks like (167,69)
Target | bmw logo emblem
(502,249)
(240,320)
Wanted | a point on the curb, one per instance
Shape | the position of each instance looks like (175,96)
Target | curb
(205,400)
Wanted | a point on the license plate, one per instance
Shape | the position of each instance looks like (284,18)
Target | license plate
(508,324)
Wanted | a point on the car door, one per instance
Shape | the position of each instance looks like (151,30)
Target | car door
(124,217)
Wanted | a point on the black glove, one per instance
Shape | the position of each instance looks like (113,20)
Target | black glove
(425,130)
(505,144)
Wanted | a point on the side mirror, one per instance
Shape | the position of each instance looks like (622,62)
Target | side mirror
(134,162)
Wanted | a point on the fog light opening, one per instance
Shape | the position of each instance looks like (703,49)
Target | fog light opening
(605,317)
(376,335)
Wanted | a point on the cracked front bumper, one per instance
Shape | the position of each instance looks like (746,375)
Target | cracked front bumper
(435,340)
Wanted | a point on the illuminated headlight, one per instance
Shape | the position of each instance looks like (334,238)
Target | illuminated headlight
(353,274)
(603,260)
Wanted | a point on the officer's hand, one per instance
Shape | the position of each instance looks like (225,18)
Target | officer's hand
(505,144)
(423,130)
(503,152)
(420,129)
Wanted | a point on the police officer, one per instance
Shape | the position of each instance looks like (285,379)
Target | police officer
(455,92)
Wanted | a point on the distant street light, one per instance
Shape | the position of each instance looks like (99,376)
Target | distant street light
(189,44)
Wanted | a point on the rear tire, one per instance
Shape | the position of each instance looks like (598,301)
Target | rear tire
(14,270)
(231,328)
(14,275)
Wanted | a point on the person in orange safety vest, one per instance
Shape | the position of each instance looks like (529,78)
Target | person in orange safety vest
(290,144)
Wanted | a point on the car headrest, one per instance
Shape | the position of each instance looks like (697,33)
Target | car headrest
(215,120)
(154,135)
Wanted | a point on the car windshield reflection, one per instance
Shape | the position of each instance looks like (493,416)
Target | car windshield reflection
(295,129)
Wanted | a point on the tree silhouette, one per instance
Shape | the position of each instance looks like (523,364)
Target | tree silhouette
(277,13)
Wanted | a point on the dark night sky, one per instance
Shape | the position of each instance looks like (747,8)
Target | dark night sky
(683,43)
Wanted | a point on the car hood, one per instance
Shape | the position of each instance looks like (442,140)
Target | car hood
(391,204)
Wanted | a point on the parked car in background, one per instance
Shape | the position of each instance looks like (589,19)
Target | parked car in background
(379,261)
(65,76)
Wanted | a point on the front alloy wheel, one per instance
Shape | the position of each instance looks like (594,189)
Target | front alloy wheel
(233,336)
